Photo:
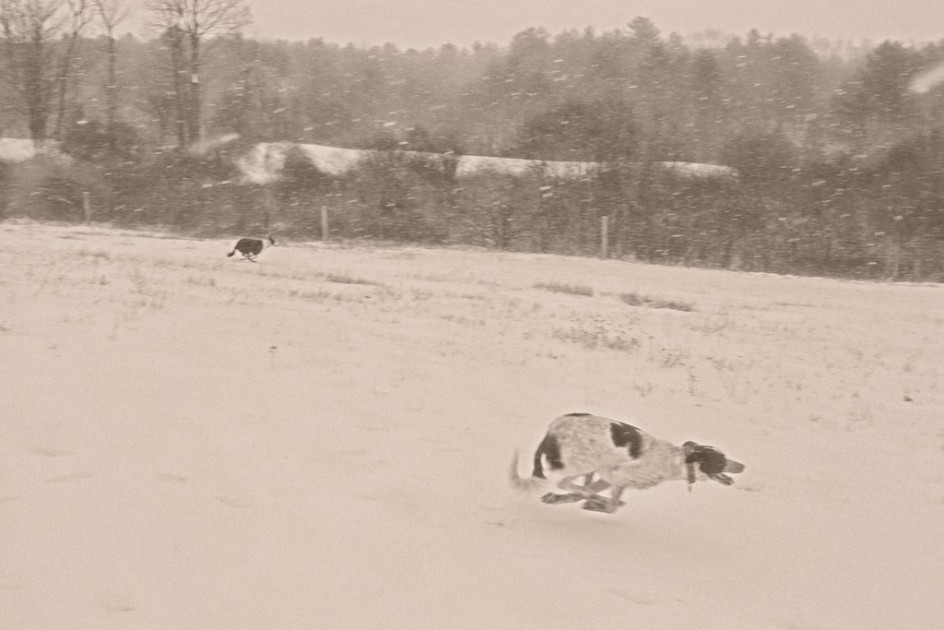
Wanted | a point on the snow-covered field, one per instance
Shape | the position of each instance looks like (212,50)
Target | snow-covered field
(321,440)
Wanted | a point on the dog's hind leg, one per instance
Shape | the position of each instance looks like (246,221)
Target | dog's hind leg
(598,486)
(603,504)
(577,492)
(552,498)
(587,490)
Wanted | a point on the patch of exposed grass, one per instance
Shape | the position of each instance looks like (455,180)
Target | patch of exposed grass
(788,304)
(669,357)
(99,279)
(201,281)
(319,295)
(145,292)
(98,254)
(560,287)
(343,278)
(593,335)
(637,299)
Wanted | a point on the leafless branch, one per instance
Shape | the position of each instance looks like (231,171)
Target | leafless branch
(198,18)
(110,13)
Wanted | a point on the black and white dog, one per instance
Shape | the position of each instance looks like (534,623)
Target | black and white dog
(252,247)
(581,445)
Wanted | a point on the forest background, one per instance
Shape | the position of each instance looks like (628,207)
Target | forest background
(837,149)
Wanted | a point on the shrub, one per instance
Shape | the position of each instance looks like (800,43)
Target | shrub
(636,299)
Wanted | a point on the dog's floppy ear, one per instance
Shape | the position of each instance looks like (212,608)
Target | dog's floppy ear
(689,448)
(711,462)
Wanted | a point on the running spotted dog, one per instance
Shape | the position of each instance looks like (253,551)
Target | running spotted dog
(251,247)
(622,456)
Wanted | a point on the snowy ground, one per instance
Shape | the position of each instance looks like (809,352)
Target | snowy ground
(321,440)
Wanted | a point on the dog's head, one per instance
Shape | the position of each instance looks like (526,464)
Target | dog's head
(710,462)
(271,240)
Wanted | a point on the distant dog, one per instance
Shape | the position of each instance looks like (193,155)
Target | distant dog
(251,247)
(581,445)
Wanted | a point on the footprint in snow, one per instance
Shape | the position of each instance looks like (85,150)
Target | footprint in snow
(750,486)
(644,599)
(47,451)
(76,476)
(12,583)
(118,602)
(378,428)
(170,478)
(234,502)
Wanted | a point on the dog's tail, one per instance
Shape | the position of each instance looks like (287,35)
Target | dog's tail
(523,484)
(231,253)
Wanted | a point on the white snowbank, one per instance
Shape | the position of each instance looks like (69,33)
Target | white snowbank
(208,144)
(23,149)
(700,171)
(927,80)
(473,164)
(263,164)
(16,149)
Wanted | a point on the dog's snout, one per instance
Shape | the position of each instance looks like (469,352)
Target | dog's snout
(733,467)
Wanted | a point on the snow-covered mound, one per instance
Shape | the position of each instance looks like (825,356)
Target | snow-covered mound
(263,164)
(16,149)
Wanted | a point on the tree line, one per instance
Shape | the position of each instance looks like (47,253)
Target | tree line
(839,148)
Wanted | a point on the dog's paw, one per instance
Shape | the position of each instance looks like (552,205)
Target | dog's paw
(552,499)
(598,505)
(602,504)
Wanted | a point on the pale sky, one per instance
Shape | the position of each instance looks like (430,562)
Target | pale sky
(424,23)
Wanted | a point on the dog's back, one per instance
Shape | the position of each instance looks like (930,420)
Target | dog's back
(250,247)
(585,444)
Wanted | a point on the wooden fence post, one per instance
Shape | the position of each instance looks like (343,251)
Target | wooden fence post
(86,208)
(324,223)
(604,237)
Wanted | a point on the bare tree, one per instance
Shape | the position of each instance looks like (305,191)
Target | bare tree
(173,39)
(110,14)
(28,30)
(185,24)
(79,14)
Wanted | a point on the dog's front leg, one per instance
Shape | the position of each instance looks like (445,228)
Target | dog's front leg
(577,491)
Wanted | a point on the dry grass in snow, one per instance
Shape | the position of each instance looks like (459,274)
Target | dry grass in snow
(321,440)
